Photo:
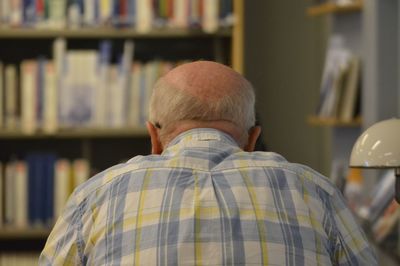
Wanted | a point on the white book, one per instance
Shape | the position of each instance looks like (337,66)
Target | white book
(1,95)
(135,100)
(16,12)
(181,14)
(144,15)
(62,185)
(5,11)
(210,15)
(11,97)
(81,171)
(50,102)
(21,194)
(59,48)
(10,197)
(115,94)
(89,12)
(29,96)
(57,16)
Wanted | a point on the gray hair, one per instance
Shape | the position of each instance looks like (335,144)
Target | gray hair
(169,105)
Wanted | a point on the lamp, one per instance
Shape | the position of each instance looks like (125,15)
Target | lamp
(379,147)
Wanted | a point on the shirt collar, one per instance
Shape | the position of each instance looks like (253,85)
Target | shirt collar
(193,136)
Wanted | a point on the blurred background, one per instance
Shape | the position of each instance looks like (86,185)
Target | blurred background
(76,76)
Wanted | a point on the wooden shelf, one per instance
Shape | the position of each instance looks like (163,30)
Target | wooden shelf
(333,122)
(86,33)
(78,133)
(329,8)
(28,233)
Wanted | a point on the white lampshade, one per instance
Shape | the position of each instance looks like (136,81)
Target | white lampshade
(378,146)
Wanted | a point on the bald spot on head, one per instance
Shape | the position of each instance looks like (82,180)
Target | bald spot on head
(205,80)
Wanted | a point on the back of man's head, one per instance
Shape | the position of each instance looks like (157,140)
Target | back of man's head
(202,92)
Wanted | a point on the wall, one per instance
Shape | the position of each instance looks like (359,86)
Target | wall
(284,53)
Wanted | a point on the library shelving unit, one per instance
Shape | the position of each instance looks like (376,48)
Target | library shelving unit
(104,147)
(346,21)
(370,29)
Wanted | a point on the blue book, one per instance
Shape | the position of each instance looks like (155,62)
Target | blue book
(35,188)
(49,161)
(29,12)
(115,17)
(40,83)
(132,12)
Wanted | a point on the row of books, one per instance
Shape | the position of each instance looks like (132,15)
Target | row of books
(34,190)
(78,88)
(19,259)
(340,86)
(144,15)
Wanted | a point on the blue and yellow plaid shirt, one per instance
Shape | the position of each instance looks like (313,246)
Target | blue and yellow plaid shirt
(205,201)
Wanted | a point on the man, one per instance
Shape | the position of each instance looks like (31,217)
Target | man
(204,197)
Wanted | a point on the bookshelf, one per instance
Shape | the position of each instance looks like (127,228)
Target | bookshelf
(104,146)
(365,28)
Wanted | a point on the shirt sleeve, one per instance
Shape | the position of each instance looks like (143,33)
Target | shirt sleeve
(62,246)
(352,246)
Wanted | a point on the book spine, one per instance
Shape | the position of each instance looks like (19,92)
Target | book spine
(28,97)
(2,94)
(81,171)
(16,13)
(57,16)
(48,202)
(1,195)
(10,200)
(89,12)
(211,16)
(103,82)
(62,185)
(50,101)
(21,192)
(144,16)
(59,47)
(11,97)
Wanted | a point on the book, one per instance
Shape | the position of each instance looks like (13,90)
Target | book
(11,97)
(89,12)
(9,195)
(211,16)
(105,11)
(387,222)
(16,13)
(81,171)
(351,89)
(50,100)
(29,12)
(62,185)
(181,13)
(103,82)
(29,96)
(59,50)
(1,95)
(21,194)
(57,14)
(334,74)
(135,91)
(144,15)
(2,189)
(49,161)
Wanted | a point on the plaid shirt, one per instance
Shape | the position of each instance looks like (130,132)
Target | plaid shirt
(205,201)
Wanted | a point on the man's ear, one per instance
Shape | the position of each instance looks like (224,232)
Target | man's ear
(254,133)
(156,146)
